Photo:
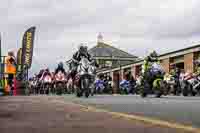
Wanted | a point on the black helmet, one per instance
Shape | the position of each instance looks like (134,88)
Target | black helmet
(86,48)
(154,54)
(101,76)
(47,69)
(83,48)
(60,65)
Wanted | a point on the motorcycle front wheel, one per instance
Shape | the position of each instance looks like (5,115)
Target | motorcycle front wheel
(79,93)
(59,89)
(144,90)
(87,93)
(85,82)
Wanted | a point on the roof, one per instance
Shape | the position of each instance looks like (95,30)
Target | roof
(172,52)
(105,50)
(180,50)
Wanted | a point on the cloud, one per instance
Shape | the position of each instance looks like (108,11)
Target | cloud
(134,26)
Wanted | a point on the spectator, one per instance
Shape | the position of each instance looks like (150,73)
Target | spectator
(10,69)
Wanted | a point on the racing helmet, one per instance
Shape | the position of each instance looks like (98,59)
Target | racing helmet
(83,48)
(47,70)
(60,65)
(153,55)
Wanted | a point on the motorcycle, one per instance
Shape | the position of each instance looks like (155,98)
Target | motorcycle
(125,86)
(108,87)
(86,74)
(153,82)
(100,86)
(138,85)
(170,84)
(33,85)
(47,84)
(60,83)
(190,85)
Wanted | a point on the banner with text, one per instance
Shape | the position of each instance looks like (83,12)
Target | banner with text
(27,47)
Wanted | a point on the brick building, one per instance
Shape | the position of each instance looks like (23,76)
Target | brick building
(183,59)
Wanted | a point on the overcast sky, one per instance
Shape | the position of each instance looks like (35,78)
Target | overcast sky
(132,25)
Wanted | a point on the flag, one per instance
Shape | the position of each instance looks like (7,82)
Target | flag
(19,59)
(27,47)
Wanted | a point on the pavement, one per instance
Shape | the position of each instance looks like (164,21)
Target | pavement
(174,109)
(59,114)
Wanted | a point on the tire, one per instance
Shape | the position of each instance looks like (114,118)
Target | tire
(194,93)
(143,94)
(185,91)
(92,92)
(69,90)
(85,83)
(144,89)
(160,90)
(158,94)
(79,93)
(48,90)
(87,93)
(59,89)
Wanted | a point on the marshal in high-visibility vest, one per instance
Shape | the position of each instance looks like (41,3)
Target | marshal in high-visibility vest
(10,64)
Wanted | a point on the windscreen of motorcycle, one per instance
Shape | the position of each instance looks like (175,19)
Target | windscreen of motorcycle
(59,76)
(47,79)
(91,70)
(85,63)
(157,67)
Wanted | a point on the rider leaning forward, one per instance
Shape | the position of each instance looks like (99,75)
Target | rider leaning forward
(82,52)
(148,61)
(60,68)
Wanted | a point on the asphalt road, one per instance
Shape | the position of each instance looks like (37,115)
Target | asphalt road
(51,114)
(183,110)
